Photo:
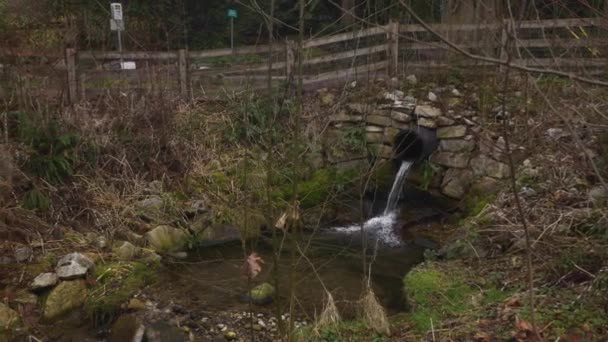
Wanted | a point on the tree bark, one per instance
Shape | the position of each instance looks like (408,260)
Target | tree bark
(348,6)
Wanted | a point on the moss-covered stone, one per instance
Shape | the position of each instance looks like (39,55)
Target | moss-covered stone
(9,318)
(166,239)
(65,297)
(260,295)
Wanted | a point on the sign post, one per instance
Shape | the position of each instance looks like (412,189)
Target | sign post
(117,24)
(232,14)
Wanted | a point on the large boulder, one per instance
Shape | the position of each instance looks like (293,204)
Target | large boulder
(65,297)
(74,265)
(43,281)
(166,239)
(9,318)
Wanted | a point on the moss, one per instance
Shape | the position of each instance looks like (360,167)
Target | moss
(318,188)
(116,283)
(476,202)
(355,330)
(435,296)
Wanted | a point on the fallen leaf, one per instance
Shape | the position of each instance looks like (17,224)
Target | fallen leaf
(481,337)
(253,265)
(522,325)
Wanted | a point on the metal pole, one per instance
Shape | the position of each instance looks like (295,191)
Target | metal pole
(232,34)
(120,48)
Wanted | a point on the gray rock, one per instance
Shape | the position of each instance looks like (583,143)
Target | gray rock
(484,166)
(63,298)
(344,117)
(556,133)
(44,280)
(445,121)
(166,239)
(164,332)
(395,95)
(126,251)
(401,117)
(451,159)
(73,265)
(374,137)
(456,145)
(456,182)
(374,129)
(412,80)
(432,97)
(456,93)
(598,194)
(379,120)
(400,125)
(426,122)
(196,207)
(427,111)
(6,260)
(24,254)
(450,132)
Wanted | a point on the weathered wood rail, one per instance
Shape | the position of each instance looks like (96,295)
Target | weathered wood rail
(392,49)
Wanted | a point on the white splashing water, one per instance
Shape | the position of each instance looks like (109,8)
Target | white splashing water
(381,227)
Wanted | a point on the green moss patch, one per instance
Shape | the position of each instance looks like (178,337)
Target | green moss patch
(116,283)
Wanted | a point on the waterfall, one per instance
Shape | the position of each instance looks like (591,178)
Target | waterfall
(382,226)
(393,197)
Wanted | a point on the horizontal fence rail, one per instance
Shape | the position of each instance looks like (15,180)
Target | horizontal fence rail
(391,49)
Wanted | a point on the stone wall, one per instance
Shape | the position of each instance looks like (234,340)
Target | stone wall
(468,156)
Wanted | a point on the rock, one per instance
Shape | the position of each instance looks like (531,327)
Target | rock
(456,182)
(390,133)
(166,239)
(484,166)
(328,99)
(126,250)
(358,108)
(401,117)
(196,208)
(378,120)
(44,280)
(126,328)
(382,151)
(427,111)
(451,159)
(411,80)
(136,304)
(149,256)
(598,194)
(445,121)
(395,95)
(456,93)
(400,125)
(451,132)
(556,133)
(150,204)
(344,117)
(257,327)
(432,97)
(63,298)
(456,145)
(374,138)
(374,129)
(23,254)
(73,265)
(259,295)
(178,255)
(230,335)
(9,318)
(485,185)
(426,122)
(217,234)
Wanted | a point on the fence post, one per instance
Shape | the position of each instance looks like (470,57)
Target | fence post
(290,59)
(182,65)
(393,48)
(70,62)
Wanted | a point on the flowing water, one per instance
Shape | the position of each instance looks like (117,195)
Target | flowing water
(381,228)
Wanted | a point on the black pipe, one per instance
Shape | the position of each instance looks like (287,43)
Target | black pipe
(415,144)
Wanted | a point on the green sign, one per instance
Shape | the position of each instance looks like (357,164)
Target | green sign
(232,13)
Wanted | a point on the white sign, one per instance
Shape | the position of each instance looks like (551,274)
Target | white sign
(117,25)
(116,10)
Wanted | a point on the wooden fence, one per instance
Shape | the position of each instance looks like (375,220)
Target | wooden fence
(390,50)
